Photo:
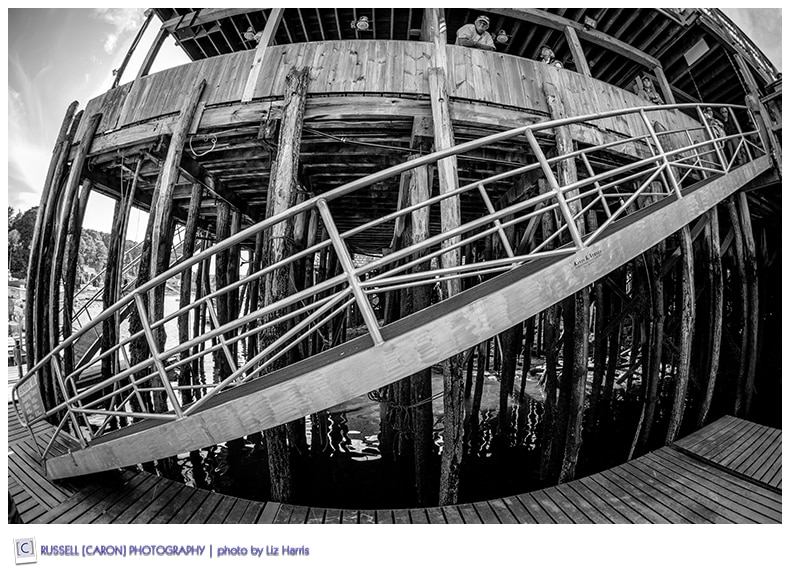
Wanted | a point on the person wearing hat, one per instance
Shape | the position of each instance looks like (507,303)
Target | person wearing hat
(546,55)
(475,35)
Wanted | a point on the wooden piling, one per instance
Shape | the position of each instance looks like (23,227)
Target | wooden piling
(450,209)
(185,288)
(687,314)
(742,289)
(752,281)
(60,231)
(281,195)
(716,287)
(70,269)
(56,165)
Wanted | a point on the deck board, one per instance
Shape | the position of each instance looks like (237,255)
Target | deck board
(518,510)
(729,471)
(740,446)
(726,506)
(316,516)
(252,512)
(469,514)
(435,515)
(299,515)
(502,512)
(269,512)
(185,508)
(568,507)
(384,517)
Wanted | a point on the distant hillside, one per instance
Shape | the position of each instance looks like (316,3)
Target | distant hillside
(92,254)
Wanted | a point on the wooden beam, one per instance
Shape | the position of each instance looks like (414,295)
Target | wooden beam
(663,84)
(149,14)
(71,263)
(267,38)
(204,16)
(61,230)
(758,109)
(56,165)
(170,171)
(576,51)
(554,22)
(153,51)
(450,209)
(438,35)
(196,173)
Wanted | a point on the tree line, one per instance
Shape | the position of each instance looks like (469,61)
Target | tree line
(93,250)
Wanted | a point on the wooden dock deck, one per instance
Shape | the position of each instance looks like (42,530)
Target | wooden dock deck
(727,472)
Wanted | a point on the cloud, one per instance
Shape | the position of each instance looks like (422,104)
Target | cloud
(122,20)
(29,148)
(110,42)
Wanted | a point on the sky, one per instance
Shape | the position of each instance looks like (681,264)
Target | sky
(56,56)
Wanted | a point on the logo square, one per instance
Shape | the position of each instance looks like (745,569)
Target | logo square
(25,550)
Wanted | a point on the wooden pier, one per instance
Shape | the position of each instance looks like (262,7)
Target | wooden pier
(727,472)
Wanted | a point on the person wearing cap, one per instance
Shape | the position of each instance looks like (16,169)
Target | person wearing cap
(546,55)
(475,35)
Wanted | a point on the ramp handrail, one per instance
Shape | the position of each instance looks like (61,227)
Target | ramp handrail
(608,191)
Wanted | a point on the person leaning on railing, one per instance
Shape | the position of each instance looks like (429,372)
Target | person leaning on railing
(475,35)
(546,56)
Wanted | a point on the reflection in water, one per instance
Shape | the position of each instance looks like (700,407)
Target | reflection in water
(344,466)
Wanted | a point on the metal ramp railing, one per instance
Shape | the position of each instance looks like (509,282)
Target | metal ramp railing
(549,222)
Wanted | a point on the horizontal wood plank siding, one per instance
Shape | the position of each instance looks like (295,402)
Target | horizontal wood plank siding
(380,67)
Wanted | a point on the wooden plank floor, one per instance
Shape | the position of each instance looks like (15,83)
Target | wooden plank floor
(125,497)
(745,448)
(728,472)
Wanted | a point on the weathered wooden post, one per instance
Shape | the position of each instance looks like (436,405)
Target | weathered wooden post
(281,195)
(56,166)
(452,453)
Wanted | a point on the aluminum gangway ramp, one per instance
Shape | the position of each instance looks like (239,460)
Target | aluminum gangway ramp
(639,202)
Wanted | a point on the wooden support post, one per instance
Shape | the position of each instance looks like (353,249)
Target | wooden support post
(577,53)
(687,315)
(415,299)
(613,357)
(153,51)
(222,369)
(162,209)
(754,101)
(452,453)
(70,273)
(752,278)
(185,290)
(655,259)
(61,230)
(56,165)
(281,195)
(438,35)
(266,40)
(149,14)
(663,85)
(234,297)
(113,278)
(576,347)
(551,441)
(716,281)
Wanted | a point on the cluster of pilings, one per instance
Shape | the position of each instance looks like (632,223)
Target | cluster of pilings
(673,336)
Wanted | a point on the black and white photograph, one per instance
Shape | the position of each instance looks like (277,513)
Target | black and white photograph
(393,266)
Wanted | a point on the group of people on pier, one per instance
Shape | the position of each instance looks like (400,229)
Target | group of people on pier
(476,35)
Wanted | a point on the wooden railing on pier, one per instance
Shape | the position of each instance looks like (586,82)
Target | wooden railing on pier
(378,69)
